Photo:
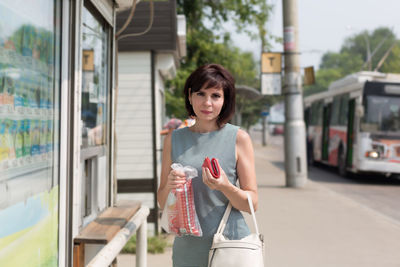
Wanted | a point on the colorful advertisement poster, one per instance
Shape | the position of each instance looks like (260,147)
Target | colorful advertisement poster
(29,34)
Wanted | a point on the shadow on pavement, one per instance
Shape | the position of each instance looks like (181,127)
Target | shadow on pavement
(279,164)
(270,186)
(327,174)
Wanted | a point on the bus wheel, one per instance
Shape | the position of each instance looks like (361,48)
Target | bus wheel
(342,163)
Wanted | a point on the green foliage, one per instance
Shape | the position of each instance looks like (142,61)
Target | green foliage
(357,45)
(174,98)
(175,105)
(343,62)
(155,245)
(251,109)
(202,49)
(242,13)
(392,63)
(353,56)
(323,78)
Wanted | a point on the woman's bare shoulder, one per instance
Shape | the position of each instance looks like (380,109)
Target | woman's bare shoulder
(242,137)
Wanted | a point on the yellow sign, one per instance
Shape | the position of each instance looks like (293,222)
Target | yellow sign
(309,78)
(88,60)
(271,63)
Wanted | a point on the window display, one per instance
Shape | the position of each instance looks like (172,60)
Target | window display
(29,119)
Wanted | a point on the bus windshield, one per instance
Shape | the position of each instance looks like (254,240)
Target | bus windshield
(382,114)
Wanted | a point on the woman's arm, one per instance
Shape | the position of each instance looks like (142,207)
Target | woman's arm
(246,173)
(170,179)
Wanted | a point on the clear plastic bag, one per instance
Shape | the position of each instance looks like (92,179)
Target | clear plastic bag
(179,215)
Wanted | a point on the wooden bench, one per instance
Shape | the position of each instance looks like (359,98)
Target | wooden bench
(101,230)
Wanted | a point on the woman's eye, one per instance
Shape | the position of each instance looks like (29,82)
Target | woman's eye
(216,96)
(200,93)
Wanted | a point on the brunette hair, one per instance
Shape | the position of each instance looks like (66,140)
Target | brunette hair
(212,76)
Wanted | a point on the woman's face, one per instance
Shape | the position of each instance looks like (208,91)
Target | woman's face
(207,103)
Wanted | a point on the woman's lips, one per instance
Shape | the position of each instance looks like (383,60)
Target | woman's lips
(206,112)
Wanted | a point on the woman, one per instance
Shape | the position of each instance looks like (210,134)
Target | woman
(210,98)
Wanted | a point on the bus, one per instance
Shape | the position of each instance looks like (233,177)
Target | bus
(355,124)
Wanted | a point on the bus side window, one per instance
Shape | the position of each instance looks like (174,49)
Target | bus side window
(316,109)
(312,116)
(320,112)
(335,111)
(344,109)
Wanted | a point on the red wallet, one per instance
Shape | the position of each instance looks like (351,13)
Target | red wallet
(213,166)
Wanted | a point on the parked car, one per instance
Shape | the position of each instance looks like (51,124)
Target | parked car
(278,129)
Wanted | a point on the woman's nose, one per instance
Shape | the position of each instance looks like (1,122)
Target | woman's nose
(207,101)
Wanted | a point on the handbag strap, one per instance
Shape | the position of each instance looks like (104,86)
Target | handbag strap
(224,219)
(253,214)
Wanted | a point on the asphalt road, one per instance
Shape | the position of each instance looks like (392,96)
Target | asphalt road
(376,192)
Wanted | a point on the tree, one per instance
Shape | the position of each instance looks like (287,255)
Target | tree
(379,41)
(243,13)
(392,63)
(251,109)
(344,62)
(353,57)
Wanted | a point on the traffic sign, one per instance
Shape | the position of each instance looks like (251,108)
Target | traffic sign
(309,77)
(271,62)
(271,84)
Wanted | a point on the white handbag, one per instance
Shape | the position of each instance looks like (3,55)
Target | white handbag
(248,251)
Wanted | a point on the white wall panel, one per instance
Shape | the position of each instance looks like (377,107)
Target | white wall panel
(126,174)
(133,125)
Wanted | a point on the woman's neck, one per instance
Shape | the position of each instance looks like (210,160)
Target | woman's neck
(204,126)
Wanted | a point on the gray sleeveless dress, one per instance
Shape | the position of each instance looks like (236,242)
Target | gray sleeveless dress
(190,148)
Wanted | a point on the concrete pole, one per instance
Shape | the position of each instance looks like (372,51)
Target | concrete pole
(295,135)
(264,130)
(141,245)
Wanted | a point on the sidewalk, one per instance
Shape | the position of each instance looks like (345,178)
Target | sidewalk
(310,227)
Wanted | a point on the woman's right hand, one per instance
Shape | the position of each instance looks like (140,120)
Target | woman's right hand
(175,179)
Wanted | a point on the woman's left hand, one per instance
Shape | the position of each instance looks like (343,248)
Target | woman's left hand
(215,183)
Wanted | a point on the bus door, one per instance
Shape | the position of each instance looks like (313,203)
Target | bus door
(350,133)
(325,131)
(307,117)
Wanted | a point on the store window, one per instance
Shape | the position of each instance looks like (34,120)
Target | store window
(94,80)
(94,112)
(29,132)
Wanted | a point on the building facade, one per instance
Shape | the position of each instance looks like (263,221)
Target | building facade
(146,59)
(56,125)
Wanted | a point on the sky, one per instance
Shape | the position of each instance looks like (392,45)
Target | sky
(325,24)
